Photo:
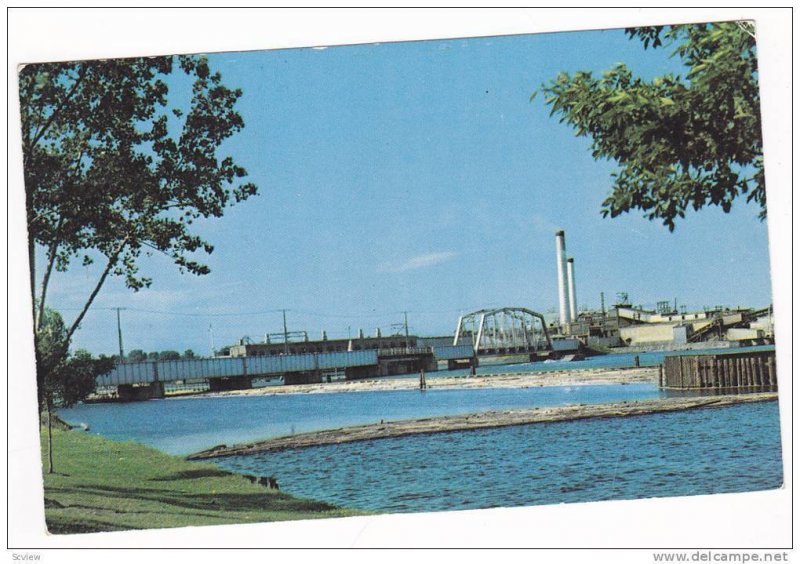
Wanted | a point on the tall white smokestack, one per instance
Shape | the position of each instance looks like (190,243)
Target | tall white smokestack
(561,268)
(573,300)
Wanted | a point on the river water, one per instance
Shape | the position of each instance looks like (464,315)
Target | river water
(186,425)
(703,451)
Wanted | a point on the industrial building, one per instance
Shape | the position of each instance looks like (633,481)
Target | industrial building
(628,326)
(624,325)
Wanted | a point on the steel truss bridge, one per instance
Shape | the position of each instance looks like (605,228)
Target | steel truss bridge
(507,330)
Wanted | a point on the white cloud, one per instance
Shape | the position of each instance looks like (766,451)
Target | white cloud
(420,261)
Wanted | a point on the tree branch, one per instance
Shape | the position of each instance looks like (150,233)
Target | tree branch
(60,107)
(151,246)
(112,260)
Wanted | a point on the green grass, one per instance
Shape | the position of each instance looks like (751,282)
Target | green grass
(101,485)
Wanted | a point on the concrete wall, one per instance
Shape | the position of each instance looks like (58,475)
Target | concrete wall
(593,341)
(636,334)
(763,323)
(744,334)
(652,317)
(681,334)
(702,324)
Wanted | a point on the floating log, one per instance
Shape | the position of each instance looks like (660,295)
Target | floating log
(486,420)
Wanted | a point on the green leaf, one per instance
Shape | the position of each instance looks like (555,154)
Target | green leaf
(702,150)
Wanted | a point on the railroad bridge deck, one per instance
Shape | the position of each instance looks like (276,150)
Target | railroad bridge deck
(144,380)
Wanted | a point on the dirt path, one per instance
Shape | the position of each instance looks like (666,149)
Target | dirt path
(484,420)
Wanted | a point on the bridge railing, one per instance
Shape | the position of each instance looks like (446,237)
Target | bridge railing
(404,351)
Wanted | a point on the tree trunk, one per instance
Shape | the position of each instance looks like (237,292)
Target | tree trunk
(50,469)
(51,260)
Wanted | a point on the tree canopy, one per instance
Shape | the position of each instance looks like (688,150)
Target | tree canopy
(680,141)
(137,355)
(70,378)
(116,165)
(169,355)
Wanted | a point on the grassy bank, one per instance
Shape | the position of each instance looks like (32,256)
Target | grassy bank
(101,485)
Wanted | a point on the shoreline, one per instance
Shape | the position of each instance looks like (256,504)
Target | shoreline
(585,377)
(103,485)
(473,421)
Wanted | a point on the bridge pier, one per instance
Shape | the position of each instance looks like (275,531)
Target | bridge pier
(360,372)
(227,384)
(458,363)
(291,378)
(390,366)
(129,392)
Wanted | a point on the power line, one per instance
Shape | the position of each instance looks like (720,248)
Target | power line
(345,316)
(373,314)
(383,314)
(183,313)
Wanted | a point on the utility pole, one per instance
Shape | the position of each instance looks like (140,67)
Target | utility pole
(405,323)
(603,303)
(119,334)
(285,334)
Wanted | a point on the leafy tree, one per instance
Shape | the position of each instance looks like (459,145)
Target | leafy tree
(137,355)
(188,354)
(114,166)
(169,355)
(152,355)
(70,378)
(75,378)
(51,341)
(680,141)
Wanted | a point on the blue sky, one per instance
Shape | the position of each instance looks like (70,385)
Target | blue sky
(418,177)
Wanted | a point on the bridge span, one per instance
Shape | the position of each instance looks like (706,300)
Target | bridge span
(145,380)
(503,331)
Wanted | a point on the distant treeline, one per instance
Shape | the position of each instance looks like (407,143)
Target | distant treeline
(138,355)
